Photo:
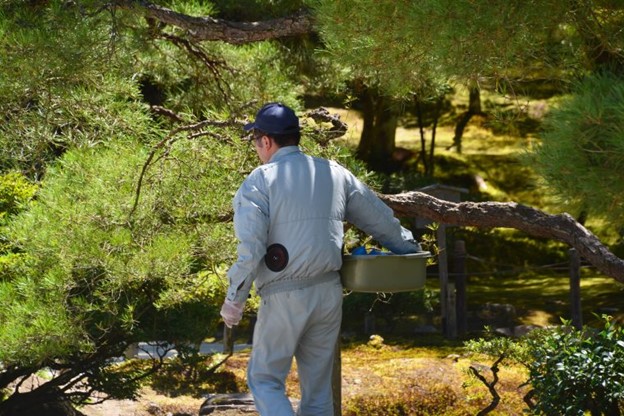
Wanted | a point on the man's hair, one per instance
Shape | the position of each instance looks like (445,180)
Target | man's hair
(290,139)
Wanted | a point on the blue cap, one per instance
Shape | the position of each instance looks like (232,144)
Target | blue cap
(275,118)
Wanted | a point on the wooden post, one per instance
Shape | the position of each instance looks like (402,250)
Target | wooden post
(447,330)
(460,286)
(337,379)
(228,340)
(451,321)
(575,289)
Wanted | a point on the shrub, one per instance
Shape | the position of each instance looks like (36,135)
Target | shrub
(572,371)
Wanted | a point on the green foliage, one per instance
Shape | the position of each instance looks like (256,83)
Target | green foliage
(64,90)
(487,39)
(497,346)
(15,193)
(359,41)
(430,42)
(581,156)
(89,84)
(213,77)
(36,327)
(572,371)
(199,78)
(82,237)
(95,278)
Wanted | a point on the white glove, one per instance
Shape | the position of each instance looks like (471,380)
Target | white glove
(232,312)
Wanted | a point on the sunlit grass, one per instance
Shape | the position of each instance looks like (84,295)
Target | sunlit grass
(545,299)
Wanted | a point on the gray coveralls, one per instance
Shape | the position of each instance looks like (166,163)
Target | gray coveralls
(292,210)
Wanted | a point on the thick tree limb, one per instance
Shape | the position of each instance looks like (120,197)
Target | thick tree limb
(534,222)
(210,29)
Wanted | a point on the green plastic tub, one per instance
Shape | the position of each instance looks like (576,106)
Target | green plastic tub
(385,273)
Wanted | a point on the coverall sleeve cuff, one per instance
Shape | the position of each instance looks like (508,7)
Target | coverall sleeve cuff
(237,296)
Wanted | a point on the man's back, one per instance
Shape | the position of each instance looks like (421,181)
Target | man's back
(306,201)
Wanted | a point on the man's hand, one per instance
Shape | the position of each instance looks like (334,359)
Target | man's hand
(231,312)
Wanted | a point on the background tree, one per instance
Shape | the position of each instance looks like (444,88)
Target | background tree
(406,50)
(482,44)
(500,45)
(581,151)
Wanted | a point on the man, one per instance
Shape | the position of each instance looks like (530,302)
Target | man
(288,218)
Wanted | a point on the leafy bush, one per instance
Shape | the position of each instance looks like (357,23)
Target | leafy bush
(97,279)
(16,192)
(572,371)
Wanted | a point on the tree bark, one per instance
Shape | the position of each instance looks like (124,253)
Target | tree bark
(474,108)
(536,223)
(378,139)
(237,33)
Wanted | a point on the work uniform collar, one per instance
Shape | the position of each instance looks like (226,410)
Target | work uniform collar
(283,152)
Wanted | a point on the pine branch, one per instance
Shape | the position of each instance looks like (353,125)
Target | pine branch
(171,138)
(210,29)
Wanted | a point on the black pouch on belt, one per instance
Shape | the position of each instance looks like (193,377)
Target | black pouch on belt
(276,257)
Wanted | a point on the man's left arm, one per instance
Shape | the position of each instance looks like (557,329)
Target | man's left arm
(370,214)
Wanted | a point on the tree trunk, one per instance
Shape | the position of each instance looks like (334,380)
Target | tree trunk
(562,227)
(474,108)
(434,127)
(377,142)
(423,138)
(424,115)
